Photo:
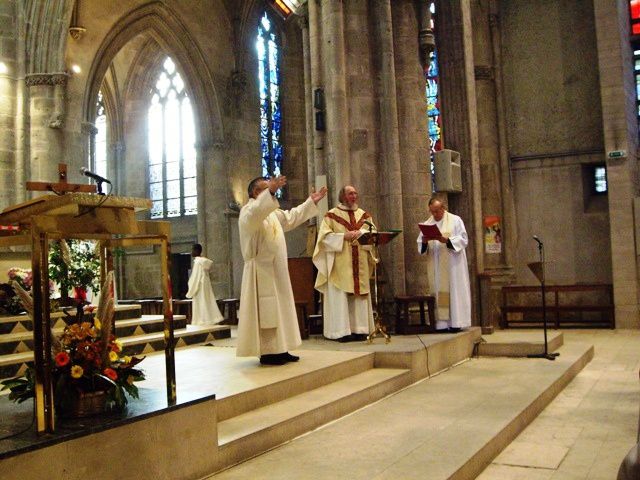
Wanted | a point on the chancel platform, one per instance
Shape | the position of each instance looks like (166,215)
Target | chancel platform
(230,409)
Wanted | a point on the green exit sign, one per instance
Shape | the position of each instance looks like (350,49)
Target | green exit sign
(617,154)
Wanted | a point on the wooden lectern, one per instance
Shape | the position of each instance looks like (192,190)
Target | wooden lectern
(85,216)
(376,239)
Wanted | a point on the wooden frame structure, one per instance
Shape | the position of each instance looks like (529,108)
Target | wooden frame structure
(109,220)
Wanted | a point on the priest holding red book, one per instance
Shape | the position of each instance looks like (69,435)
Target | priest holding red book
(444,240)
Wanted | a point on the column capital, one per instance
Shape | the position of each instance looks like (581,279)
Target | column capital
(34,79)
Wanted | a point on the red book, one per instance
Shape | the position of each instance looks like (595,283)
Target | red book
(430,232)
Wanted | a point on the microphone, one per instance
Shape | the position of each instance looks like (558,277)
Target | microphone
(98,178)
(371,225)
(535,237)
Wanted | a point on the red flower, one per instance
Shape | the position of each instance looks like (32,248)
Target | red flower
(111,373)
(62,359)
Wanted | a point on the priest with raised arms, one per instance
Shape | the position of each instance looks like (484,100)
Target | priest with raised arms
(447,268)
(267,322)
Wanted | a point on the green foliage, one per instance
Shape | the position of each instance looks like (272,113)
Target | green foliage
(84,268)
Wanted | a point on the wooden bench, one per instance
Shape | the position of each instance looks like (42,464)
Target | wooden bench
(403,303)
(591,306)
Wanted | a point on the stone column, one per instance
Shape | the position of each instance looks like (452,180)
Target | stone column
(315,75)
(508,204)
(460,125)
(308,104)
(413,139)
(391,181)
(337,114)
(46,114)
(618,97)
(212,204)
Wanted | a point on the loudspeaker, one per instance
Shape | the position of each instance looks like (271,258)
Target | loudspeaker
(320,121)
(446,164)
(318,99)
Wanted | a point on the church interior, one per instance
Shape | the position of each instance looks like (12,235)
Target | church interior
(521,116)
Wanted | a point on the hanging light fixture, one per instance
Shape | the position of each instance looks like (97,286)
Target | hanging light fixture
(286,8)
(75,30)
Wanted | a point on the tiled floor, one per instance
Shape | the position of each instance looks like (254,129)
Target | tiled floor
(583,434)
(589,428)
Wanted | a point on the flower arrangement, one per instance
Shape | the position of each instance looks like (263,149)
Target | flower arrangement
(74,265)
(87,358)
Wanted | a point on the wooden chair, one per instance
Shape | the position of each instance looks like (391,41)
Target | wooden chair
(403,303)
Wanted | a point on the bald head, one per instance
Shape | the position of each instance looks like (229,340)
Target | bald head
(436,208)
(348,196)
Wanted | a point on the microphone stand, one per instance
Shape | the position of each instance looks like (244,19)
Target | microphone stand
(545,354)
(99,187)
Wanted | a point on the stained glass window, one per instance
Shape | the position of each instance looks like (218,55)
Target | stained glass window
(100,159)
(634,15)
(634,12)
(433,101)
(600,179)
(267,45)
(172,154)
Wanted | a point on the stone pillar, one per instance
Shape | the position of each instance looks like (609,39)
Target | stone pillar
(391,184)
(315,75)
(213,226)
(308,95)
(510,239)
(460,125)
(335,93)
(618,97)
(46,114)
(414,152)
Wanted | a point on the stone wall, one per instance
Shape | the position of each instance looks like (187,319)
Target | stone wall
(554,122)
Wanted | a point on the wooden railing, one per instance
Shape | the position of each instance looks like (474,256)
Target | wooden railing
(589,305)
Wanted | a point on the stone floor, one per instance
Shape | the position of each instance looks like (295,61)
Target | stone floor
(583,434)
(589,428)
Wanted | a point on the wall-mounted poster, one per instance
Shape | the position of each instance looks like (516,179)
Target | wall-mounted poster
(492,234)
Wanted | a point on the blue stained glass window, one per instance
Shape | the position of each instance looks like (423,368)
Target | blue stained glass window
(433,101)
(171,137)
(269,90)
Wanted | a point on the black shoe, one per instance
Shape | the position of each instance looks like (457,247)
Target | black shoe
(360,337)
(273,359)
(442,330)
(454,330)
(290,358)
(347,338)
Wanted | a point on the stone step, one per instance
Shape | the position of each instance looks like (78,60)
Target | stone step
(14,364)
(23,323)
(23,341)
(261,429)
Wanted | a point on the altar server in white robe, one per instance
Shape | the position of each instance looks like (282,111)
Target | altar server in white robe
(204,308)
(447,268)
(267,322)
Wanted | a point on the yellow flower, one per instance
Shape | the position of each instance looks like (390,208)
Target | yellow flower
(113,356)
(97,323)
(118,343)
(77,371)
(126,359)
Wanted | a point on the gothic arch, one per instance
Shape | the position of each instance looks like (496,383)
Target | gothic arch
(165,28)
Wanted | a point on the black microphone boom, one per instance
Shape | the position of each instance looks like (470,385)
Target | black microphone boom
(98,178)
(537,239)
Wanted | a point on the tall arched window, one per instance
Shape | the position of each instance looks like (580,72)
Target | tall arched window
(634,16)
(100,122)
(267,45)
(433,100)
(172,153)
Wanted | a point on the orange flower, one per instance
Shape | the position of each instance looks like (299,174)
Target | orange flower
(77,371)
(111,373)
(62,359)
